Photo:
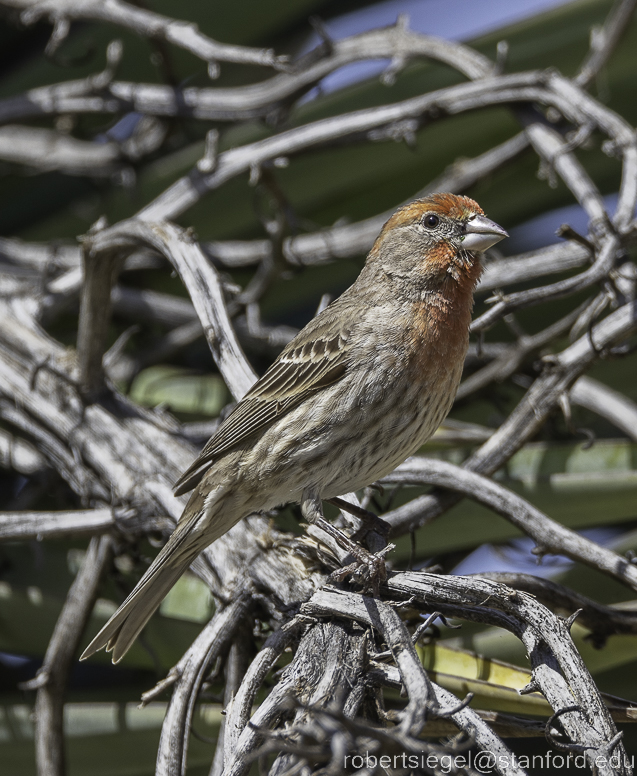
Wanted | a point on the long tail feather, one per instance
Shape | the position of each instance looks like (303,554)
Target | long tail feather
(125,625)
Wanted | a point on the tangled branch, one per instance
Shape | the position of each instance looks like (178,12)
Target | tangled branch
(66,416)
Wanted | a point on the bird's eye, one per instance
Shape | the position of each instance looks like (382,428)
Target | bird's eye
(432,221)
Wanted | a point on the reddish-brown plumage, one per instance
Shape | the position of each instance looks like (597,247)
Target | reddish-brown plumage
(450,205)
(360,388)
(439,326)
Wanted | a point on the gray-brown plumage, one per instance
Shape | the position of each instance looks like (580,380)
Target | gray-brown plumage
(360,388)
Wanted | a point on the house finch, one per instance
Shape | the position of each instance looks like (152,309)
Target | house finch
(357,391)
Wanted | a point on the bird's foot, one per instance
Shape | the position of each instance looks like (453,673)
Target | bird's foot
(371,564)
(371,524)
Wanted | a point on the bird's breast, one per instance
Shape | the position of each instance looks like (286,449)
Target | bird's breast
(438,337)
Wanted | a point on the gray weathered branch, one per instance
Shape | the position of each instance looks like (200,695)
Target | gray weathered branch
(550,537)
(146,23)
(121,460)
(52,677)
(189,673)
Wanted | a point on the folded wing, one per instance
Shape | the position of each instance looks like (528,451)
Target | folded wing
(316,358)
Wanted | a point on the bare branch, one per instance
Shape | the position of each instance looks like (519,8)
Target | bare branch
(151,25)
(203,284)
(601,620)
(100,274)
(415,680)
(189,674)
(52,678)
(329,602)
(331,651)
(503,725)
(352,127)
(554,151)
(37,525)
(604,401)
(264,99)
(22,526)
(560,372)
(47,150)
(345,241)
(19,455)
(239,710)
(558,669)
(604,41)
(549,536)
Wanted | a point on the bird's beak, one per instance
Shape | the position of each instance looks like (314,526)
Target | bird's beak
(481,233)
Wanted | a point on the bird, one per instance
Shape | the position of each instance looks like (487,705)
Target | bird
(356,392)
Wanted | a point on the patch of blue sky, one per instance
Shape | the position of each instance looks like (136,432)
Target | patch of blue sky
(540,231)
(459,20)
(516,556)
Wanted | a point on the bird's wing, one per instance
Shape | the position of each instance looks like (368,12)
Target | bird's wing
(316,358)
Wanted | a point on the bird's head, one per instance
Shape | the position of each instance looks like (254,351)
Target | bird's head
(434,241)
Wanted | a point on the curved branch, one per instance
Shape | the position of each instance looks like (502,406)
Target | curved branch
(546,88)
(549,536)
(550,146)
(602,621)
(604,401)
(240,708)
(265,99)
(348,240)
(523,87)
(558,670)
(202,282)
(189,673)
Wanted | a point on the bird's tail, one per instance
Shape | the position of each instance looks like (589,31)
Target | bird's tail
(119,633)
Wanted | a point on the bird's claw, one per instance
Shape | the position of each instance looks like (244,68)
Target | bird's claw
(370,523)
(364,560)
(371,567)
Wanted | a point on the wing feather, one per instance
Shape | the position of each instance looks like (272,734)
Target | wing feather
(316,358)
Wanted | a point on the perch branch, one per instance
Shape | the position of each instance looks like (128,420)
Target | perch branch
(558,669)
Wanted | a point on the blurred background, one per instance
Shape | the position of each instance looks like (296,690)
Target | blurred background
(589,488)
